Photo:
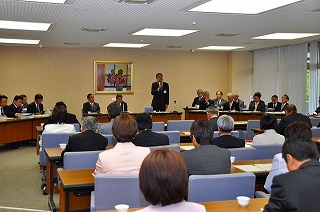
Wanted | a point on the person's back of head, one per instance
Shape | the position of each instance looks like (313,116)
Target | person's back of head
(114,110)
(59,114)
(268,121)
(298,129)
(290,108)
(144,121)
(225,123)
(124,128)
(89,123)
(212,110)
(168,182)
(202,132)
(61,103)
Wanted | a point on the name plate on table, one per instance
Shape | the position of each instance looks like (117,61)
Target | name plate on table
(187,147)
(253,168)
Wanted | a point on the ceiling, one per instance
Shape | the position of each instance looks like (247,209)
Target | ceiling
(120,20)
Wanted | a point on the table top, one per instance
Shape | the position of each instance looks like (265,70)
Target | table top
(53,153)
(76,178)
(226,206)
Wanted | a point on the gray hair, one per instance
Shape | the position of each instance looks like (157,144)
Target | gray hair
(235,93)
(212,110)
(225,123)
(230,94)
(201,91)
(205,92)
(89,123)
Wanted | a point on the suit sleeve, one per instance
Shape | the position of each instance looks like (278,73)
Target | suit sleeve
(251,106)
(84,108)
(98,107)
(154,89)
(194,102)
(281,126)
(277,200)
(263,106)
(167,96)
(30,108)
(8,113)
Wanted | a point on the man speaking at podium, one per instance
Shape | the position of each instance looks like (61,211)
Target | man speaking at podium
(160,92)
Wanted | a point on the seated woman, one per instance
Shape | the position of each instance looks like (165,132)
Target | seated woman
(125,157)
(257,104)
(163,181)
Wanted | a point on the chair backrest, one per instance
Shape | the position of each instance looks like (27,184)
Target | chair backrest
(314,121)
(158,126)
(244,153)
(77,127)
(148,109)
(111,140)
(179,125)
(172,146)
(113,189)
(52,140)
(252,124)
(174,136)
(234,133)
(267,151)
(315,132)
(207,188)
(80,160)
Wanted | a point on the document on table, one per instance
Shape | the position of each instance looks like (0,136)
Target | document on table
(249,168)
(265,166)
(187,147)
(186,132)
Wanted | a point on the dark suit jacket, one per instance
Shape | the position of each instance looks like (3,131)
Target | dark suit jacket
(286,120)
(148,138)
(215,102)
(234,106)
(228,141)
(160,97)
(196,101)
(207,159)
(7,112)
(87,107)
(241,103)
(123,105)
(70,119)
(15,109)
(213,122)
(277,108)
(261,106)
(204,105)
(85,141)
(33,109)
(296,190)
(282,108)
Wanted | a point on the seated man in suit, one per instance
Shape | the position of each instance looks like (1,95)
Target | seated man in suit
(236,99)
(257,104)
(36,107)
(88,140)
(284,101)
(205,102)
(297,190)
(145,136)
(231,104)
(274,105)
(226,140)
(123,104)
(212,116)
(290,117)
(15,107)
(219,101)
(90,106)
(196,100)
(4,110)
(114,110)
(205,159)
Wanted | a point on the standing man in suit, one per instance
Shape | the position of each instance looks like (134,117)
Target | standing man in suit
(160,92)
(196,100)
(274,105)
(205,101)
(4,110)
(291,116)
(145,136)
(123,104)
(236,99)
(205,159)
(36,107)
(88,140)
(90,106)
(231,104)
(212,116)
(226,140)
(297,190)
(257,104)
(219,101)
(15,107)
(284,101)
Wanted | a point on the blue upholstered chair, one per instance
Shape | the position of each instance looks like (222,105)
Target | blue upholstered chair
(174,136)
(244,153)
(267,151)
(158,126)
(111,140)
(206,188)
(314,122)
(172,146)
(148,109)
(80,160)
(251,124)
(315,132)
(181,125)
(77,127)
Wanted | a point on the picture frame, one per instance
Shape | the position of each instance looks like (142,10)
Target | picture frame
(111,77)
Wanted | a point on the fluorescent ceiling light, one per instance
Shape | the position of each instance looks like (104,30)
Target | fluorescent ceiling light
(285,36)
(243,6)
(164,32)
(221,47)
(126,45)
(24,25)
(18,41)
(49,1)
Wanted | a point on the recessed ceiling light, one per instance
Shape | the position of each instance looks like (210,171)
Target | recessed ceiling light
(18,41)
(242,7)
(285,36)
(164,32)
(24,25)
(220,47)
(49,1)
(126,45)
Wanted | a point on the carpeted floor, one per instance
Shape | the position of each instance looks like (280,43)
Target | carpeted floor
(20,181)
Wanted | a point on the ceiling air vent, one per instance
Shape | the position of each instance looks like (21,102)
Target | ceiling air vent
(72,44)
(226,35)
(135,1)
(174,47)
(92,30)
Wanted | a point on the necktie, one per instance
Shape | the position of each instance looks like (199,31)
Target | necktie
(2,113)
(274,106)
(38,109)
(219,103)
(92,107)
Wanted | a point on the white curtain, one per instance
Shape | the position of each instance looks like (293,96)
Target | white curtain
(314,81)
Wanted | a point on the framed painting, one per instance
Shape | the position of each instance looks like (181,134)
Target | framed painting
(112,77)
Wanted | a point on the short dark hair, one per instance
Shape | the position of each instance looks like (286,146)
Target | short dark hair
(298,129)
(158,74)
(38,96)
(23,95)
(124,128)
(202,131)
(220,92)
(274,96)
(290,108)
(257,94)
(286,96)
(114,110)
(268,121)
(144,121)
(17,97)
(61,103)
(88,95)
(300,148)
(3,97)
(163,177)
(59,114)
(118,95)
